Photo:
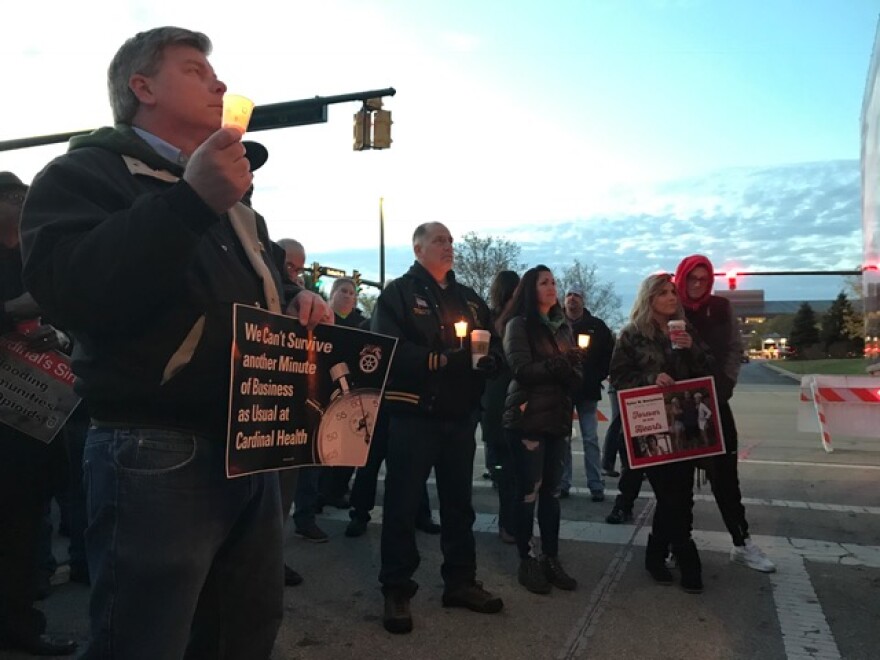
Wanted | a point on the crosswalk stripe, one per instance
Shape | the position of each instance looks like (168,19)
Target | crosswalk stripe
(848,554)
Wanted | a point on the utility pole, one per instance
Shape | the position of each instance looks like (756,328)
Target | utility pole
(381,243)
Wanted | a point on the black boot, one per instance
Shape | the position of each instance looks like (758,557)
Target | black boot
(691,568)
(655,560)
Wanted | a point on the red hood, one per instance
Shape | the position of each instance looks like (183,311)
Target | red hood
(686,266)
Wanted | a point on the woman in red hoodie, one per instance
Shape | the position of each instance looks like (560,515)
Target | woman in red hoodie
(714,320)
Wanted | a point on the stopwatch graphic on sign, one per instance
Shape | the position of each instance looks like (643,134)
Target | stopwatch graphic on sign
(345,431)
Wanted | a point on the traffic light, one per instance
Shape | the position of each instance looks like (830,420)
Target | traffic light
(356,276)
(316,275)
(372,126)
(362,121)
(382,129)
(731,280)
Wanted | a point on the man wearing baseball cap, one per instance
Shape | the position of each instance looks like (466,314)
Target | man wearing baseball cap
(597,358)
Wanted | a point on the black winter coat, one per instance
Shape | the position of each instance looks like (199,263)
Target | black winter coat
(539,398)
(123,253)
(410,308)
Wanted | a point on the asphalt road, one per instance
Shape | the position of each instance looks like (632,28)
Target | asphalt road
(817,515)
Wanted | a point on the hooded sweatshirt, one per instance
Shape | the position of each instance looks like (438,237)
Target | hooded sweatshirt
(128,257)
(713,318)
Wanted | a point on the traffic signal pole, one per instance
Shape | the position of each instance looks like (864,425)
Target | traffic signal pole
(734,274)
(265,117)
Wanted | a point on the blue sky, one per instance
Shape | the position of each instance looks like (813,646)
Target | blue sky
(512,118)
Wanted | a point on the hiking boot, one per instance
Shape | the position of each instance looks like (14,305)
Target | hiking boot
(532,576)
(556,575)
(473,597)
(398,617)
(691,567)
(618,516)
(356,527)
(311,532)
(752,556)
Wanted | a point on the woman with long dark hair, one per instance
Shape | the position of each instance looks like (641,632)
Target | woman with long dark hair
(498,462)
(646,354)
(545,366)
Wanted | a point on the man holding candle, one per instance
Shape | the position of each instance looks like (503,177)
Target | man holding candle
(136,240)
(597,342)
(433,402)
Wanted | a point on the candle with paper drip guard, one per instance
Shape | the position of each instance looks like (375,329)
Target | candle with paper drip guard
(583,341)
(461,331)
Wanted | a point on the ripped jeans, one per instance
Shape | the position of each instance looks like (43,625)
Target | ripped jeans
(538,464)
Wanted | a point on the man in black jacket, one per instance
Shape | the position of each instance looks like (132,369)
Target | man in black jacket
(433,400)
(137,241)
(586,399)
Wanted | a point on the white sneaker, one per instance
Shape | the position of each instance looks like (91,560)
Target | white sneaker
(752,556)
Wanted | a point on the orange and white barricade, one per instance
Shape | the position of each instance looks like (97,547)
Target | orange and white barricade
(848,405)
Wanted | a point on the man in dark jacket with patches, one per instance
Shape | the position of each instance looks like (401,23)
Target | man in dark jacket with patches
(138,242)
(433,400)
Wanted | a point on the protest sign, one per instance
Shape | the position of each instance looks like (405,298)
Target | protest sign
(36,389)
(300,397)
(667,424)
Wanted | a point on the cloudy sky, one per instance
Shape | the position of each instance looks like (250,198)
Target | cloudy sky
(621,132)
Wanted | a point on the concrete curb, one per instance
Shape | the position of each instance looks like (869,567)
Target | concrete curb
(781,371)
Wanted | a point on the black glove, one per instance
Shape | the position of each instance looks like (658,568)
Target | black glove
(489,365)
(458,360)
(559,368)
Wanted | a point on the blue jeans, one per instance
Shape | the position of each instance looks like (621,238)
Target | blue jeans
(589,424)
(184,562)
(305,498)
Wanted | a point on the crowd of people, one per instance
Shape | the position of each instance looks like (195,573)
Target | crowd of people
(132,249)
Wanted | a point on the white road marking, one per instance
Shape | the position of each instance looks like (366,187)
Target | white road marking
(748,501)
(848,466)
(805,631)
(846,554)
(804,628)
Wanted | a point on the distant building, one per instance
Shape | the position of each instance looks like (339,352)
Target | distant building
(750,307)
(753,313)
(870,161)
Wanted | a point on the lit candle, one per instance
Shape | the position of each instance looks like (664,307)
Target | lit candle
(583,341)
(461,331)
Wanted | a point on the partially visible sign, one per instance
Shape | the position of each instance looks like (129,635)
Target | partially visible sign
(668,424)
(36,389)
(300,397)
